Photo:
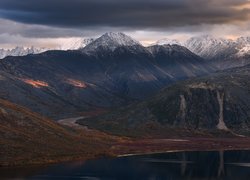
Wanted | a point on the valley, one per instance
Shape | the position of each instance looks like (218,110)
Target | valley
(115,97)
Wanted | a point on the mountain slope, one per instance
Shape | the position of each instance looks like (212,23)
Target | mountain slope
(179,61)
(219,102)
(28,138)
(56,84)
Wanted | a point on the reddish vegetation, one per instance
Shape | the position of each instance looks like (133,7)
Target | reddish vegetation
(76,83)
(187,144)
(35,83)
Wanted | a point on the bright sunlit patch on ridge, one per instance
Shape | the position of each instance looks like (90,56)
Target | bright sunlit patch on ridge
(76,83)
(35,83)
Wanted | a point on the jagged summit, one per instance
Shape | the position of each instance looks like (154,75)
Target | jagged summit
(111,40)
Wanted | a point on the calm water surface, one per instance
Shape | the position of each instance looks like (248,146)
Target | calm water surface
(233,165)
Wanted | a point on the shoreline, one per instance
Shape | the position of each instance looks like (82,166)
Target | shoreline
(176,151)
(146,147)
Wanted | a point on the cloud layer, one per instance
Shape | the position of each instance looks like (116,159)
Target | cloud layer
(123,13)
(63,18)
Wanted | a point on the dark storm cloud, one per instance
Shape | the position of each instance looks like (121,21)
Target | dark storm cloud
(123,13)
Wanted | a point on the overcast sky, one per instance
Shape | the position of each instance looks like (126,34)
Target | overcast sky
(49,23)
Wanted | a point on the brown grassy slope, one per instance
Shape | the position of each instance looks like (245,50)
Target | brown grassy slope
(28,138)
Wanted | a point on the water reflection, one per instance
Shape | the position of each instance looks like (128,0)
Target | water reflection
(182,165)
(221,170)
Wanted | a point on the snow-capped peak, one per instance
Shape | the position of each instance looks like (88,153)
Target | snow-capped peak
(166,41)
(120,39)
(111,41)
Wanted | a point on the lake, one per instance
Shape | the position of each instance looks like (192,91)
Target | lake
(233,165)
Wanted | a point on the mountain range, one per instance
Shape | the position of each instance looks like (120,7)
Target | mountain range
(111,71)
(206,46)
(222,53)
